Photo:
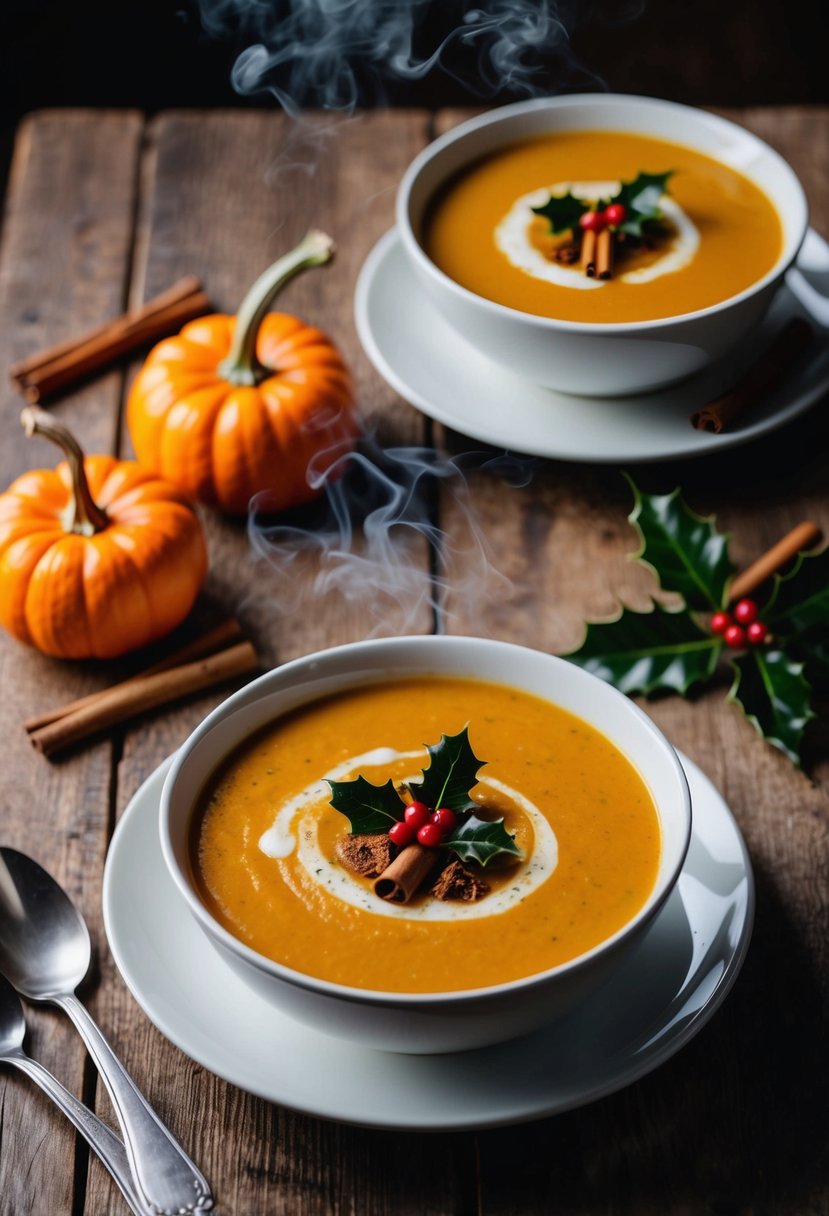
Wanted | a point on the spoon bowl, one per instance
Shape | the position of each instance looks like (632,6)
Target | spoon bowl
(44,943)
(12,1022)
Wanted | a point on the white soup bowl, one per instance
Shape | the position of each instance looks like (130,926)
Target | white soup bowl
(597,358)
(439,1021)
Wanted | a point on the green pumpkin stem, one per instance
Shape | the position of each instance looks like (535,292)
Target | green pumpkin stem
(83,515)
(241,365)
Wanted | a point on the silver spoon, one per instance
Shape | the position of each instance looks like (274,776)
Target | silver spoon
(45,952)
(105,1143)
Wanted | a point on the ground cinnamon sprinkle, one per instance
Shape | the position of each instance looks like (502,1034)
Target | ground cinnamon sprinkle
(364,854)
(567,254)
(457,882)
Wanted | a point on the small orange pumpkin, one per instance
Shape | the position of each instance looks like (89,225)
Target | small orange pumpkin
(234,406)
(98,556)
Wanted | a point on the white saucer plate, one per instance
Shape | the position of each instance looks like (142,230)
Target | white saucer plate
(659,1000)
(430,365)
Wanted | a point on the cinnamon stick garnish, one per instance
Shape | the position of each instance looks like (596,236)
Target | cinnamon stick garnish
(588,253)
(805,536)
(143,693)
(44,374)
(604,254)
(215,639)
(760,379)
(399,881)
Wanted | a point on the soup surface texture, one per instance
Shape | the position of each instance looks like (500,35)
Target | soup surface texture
(265,833)
(723,232)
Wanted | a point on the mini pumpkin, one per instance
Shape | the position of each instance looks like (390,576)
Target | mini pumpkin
(98,556)
(260,403)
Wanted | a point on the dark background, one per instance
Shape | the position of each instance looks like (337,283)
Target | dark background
(152,54)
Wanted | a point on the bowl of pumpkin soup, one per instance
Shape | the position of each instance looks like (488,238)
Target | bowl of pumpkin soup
(600,244)
(425,844)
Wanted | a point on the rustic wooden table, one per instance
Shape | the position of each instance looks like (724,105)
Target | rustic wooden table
(107,208)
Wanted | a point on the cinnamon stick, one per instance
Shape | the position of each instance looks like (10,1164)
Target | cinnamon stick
(760,379)
(588,253)
(180,290)
(215,639)
(410,868)
(44,374)
(144,693)
(805,536)
(604,254)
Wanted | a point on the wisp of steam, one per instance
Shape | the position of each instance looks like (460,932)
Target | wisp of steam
(338,54)
(374,541)
(373,544)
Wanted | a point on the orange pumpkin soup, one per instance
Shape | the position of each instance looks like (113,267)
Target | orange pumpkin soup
(719,231)
(265,834)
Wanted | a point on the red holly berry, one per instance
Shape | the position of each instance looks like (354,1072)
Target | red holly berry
(757,633)
(592,221)
(745,611)
(430,835)
(401,834)
(615,213)
(735,636)
(445,819)
(720,622)
(416,814)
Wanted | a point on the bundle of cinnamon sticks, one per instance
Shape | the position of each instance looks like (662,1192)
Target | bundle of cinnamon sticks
(213,657)
(597,253)
(43,375)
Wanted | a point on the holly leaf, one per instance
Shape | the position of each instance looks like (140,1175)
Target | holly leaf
(369,808)
(774,695)
(648,651)
(685,551)
(800,599)
(642,199)
(450,775)
(813,649)
(563,211)
(481,840)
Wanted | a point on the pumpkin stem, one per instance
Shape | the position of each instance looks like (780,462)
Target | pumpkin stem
(241,365)
(83,514)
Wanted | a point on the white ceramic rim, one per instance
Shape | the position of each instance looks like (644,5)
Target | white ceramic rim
(495,117)
(373,996)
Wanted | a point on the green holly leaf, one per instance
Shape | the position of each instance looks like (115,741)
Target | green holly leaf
(813,649)
(642,198)
(774,694)
(563,212)
(452,771)
(369,808)
(648,651)
(685,551)
(481,840)
(800,599)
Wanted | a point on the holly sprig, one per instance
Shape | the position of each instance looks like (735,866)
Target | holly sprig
(640,199)
(777,666)
(445,783)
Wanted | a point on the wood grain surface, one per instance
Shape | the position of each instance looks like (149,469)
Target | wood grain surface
(109,208)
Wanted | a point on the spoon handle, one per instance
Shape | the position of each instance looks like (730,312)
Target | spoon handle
(163,1174)
(105,1143)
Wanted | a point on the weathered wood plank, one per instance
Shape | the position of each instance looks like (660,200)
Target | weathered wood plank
(697,1136)
(65,257)
(224,194)
(227,192)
